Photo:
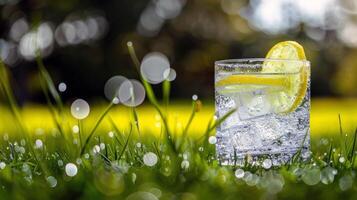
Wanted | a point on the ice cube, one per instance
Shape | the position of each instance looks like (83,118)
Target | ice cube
(252,104)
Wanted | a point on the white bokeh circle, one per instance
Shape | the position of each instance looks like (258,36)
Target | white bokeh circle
(153,67)
(80,109)
(131,93)
(111,87)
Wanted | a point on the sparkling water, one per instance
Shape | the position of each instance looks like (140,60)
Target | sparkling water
(256,131)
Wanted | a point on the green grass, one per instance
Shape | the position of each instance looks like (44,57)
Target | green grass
(115,166)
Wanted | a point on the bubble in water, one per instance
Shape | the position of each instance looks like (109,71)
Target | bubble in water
(170,74)
(150,159)
(153,67)
(80,109)
(327,175)
(2,165)
(311,176)
(212,139)
(111,87)
(52,181)
(75,129)
(239,173)
(38,144)
(62,87)
(71,169)
(345,182)
(131,93)
(185,164)
(267,164)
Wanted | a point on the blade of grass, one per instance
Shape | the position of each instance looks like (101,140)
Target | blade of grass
(96,125)
(151,96)
(126,143)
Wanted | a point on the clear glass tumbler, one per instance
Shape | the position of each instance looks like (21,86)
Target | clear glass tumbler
(269,102)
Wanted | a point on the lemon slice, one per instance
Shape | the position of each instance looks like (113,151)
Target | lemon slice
(290,98)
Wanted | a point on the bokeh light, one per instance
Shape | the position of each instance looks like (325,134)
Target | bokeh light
(153,67)
(131,93)
(80,109)
(111,87)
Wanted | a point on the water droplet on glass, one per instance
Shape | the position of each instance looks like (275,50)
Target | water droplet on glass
(71,169)
(80,109)
(131,93)
(153,67)
(111,88)
(62,87)
(150,159)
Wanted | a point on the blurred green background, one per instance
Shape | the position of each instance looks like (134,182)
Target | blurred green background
(84,41)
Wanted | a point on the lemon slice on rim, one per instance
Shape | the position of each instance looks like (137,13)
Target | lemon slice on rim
(284,75)
(296,69)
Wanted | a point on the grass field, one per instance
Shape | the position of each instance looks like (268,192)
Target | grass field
(160,151)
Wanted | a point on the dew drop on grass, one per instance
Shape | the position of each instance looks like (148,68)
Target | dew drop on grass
(138,145)
(153,66)
(239,173)
(131,93)
(80,109)
(212,139)
(200,149)
(185,164)
(79,161)
(102,146)
(341,159)
(345,182)
(2,165)
(86,156)
(60,163)
(6,137)
(75,129)
(194,97)
(267,164)
(327,175)
(311,176)
(71,169)
(150,159)
(111,134)
(38,144)
(52,181)
(133,177)
(111,88)
(96,149)
(62,87)
(142,196)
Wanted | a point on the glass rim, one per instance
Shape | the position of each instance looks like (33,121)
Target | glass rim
(241,60)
